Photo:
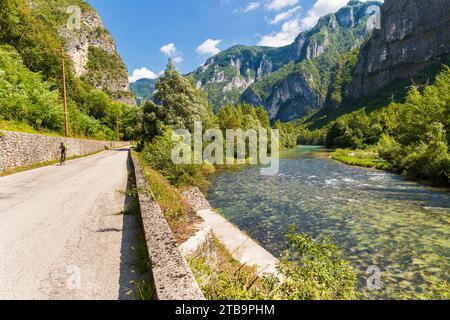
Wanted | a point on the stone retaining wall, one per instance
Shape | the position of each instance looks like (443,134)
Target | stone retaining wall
(171,274)
(202,244)
(23,149)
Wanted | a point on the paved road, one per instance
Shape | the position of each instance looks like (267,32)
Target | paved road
(60,233)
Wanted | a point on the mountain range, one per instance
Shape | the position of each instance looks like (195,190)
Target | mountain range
(290,82)
(334,67)
(143,89)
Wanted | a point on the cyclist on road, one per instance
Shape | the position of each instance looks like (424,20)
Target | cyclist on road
(63,153)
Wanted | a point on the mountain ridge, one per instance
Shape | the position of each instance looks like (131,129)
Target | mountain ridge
(240,79)
(251,74)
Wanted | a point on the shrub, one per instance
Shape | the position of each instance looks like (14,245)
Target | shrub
(312,270)
(158,155)
(315,270)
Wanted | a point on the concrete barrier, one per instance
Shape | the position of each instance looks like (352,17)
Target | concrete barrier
(173,279)
(19,150)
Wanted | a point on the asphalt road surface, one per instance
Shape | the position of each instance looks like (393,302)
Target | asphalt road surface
(61,232)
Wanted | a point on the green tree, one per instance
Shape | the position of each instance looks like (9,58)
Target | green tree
(182,101)
(129,124)
(158,154)
(25,96)
(153,119)
(97,104)
(431,157)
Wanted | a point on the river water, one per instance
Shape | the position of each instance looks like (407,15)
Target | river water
(378,219)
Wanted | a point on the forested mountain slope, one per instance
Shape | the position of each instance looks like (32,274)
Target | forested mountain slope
(291,81)
(32,34)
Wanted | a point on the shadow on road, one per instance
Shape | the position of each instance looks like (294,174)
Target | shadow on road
(130,236)
(134,259)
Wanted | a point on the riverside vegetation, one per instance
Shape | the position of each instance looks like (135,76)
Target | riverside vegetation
(313,269)
(410,137)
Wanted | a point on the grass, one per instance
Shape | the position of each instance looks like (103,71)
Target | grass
(25,128)
(360,158)
(227,261)
(179,214)
(313,270)
(143,291)
(225,278)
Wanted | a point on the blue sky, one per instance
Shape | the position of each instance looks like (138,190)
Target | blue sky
(147,32)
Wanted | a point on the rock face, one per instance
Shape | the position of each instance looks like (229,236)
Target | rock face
(228,74)
(414,34)
(281,105)
(82,45)
(79,41)
(301,86)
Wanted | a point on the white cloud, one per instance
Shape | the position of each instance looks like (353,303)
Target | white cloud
(251,6)
(285,15)
(280,4)
(171,51)
(209,48)
(142,73)
(177,60)
(322,8)
(289,31)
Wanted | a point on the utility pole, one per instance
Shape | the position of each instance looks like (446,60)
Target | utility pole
(66,112)
(117,127)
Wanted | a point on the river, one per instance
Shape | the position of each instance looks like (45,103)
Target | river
(377,218)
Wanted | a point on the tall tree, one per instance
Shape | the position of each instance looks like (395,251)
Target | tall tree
(182,101)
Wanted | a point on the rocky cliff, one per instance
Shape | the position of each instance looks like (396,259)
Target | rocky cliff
(301,87)
(414,35)
(38,29)
(228,74)
(93,53)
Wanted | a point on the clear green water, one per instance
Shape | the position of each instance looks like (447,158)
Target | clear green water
(376,218)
